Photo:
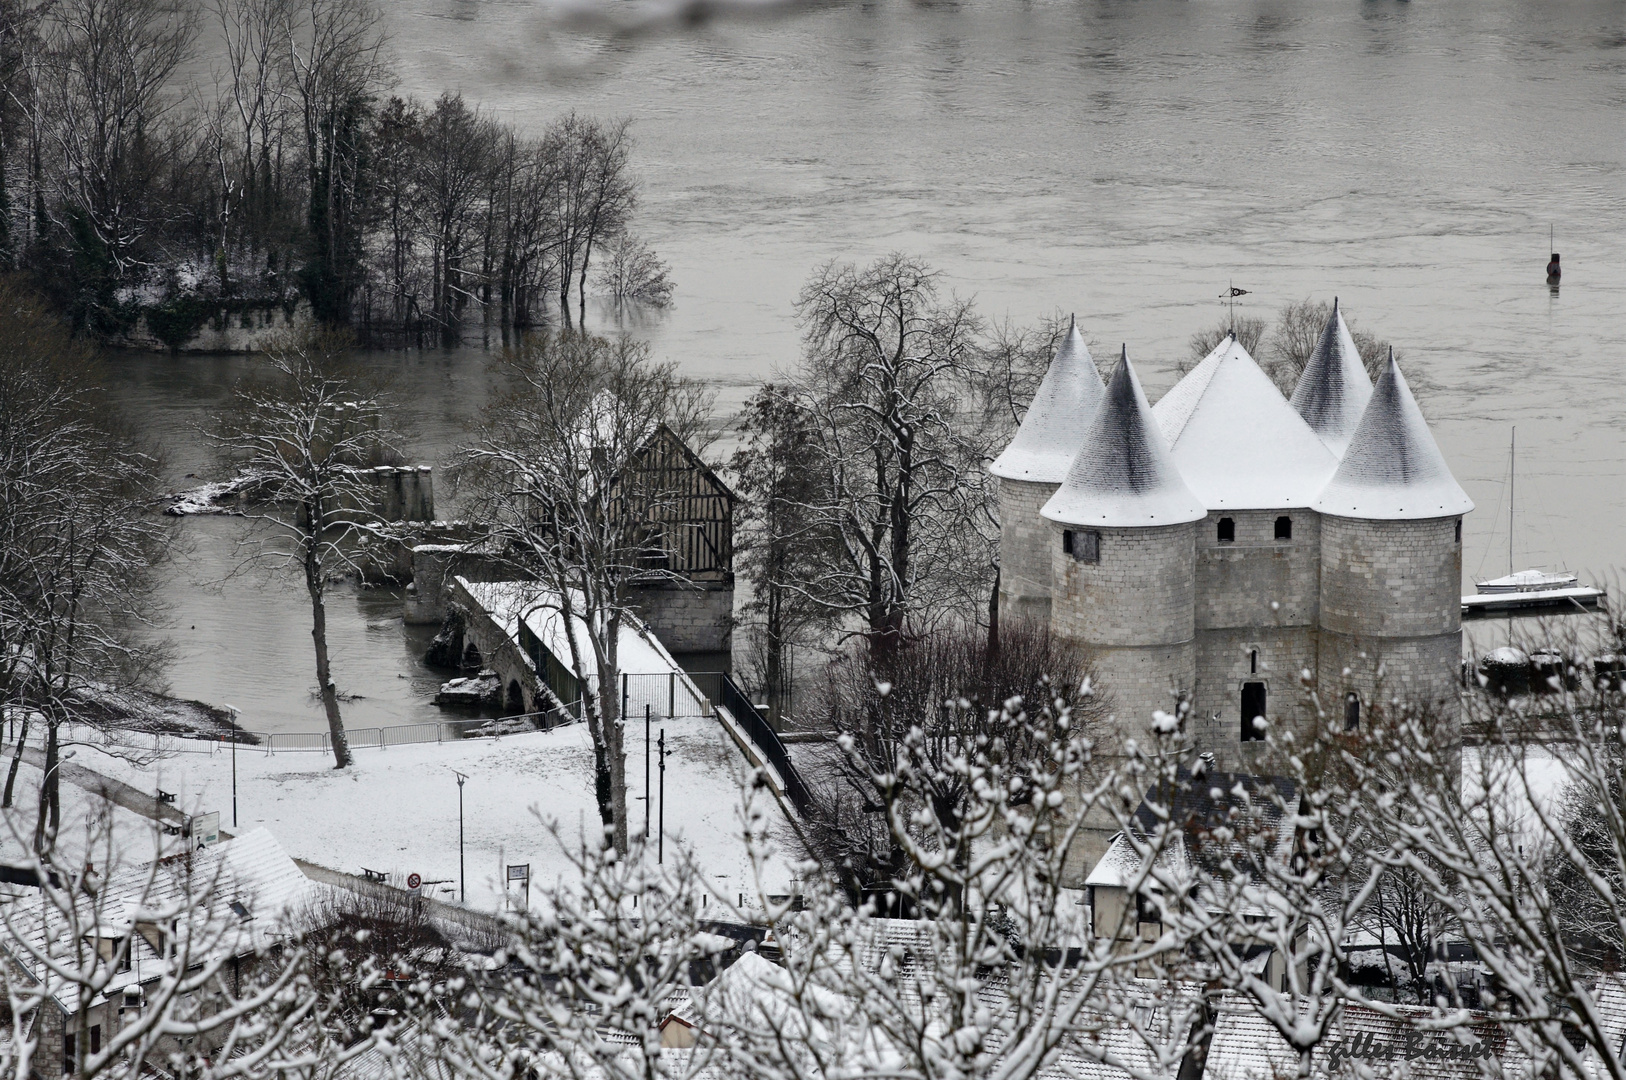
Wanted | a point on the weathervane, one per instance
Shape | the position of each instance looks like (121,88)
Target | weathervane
(1229,296)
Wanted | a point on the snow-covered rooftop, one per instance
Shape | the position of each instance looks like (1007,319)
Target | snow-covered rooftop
(1393,470)
(1057,419)
(1122,476)
(1236,441)
(1334,388)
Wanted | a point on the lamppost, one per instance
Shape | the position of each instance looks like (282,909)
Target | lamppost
(660,844)
(233,710)
(462,879)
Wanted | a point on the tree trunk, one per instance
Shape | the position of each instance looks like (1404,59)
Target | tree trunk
(324,678)
(615,744)
(16,761)
(50,805)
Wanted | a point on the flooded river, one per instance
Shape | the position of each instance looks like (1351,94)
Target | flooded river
(1122,160)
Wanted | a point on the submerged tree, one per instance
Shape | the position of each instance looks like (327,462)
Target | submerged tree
(566,473)
(307,434)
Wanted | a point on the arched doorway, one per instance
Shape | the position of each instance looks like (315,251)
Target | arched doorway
(515,705)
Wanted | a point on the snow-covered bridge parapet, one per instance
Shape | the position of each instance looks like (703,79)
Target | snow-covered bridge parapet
(520,633)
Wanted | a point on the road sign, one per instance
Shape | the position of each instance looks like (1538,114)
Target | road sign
(413,881)
(206,828)
(519,872)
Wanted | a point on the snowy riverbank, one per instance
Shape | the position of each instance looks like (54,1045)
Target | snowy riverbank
(396,810)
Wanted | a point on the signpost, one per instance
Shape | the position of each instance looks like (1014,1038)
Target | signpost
(660,843)
(521,872)
(206,829)
(414,881)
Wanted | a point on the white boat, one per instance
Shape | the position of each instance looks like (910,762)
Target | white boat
(1528,592)
(1527,581)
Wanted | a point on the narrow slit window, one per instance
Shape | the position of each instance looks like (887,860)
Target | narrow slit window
(1352,711)
(1284,528)
(1227,530)
(1253,709)
(1067,541)
(1459,530)
(1253,661)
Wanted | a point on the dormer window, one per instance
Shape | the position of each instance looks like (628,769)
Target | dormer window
(240,909)
(1227,530)
(1284,528)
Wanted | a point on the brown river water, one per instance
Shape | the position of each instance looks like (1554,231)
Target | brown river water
(1124,161)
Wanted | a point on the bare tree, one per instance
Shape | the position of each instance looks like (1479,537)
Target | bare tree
(107,67)
(900,494)
(947,695)
(999,977)
(335,65)
(308,434)
(564,475)
(453,165)
(1531,884)
(592,199)
(776,475)
(77,539)
(634,274)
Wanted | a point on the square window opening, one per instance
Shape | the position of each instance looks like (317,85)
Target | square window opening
(1227,530)
(1253,709)
(1284,528)
(1083,545)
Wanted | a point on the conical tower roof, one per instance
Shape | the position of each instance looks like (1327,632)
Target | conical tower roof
(1122,476)
(1334,388)
(1053,428)
(1235,439)
(1393,471)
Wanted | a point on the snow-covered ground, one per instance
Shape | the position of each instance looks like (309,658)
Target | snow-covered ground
(395,810)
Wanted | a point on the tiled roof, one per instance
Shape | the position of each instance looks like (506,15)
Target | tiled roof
(1393,470)
(1333,389)
(1237,442)
(1057,419)
(1122,476)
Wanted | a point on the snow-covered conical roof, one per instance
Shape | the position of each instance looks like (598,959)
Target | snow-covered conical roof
(1236,441)
(1334,388)
(1122,476)
(1393,471)
(1054,425)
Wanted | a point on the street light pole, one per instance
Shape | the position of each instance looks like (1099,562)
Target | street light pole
(660,844)
(646,772)
(234,729)
(462,878)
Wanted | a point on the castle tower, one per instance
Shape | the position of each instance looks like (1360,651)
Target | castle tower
(1333,390)
(1256,466)
(1123,558)
(1031,469)
(1391,565)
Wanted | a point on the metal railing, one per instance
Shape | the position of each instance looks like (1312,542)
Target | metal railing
(760,732)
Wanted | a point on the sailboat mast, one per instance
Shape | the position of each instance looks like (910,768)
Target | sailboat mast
(1512,465)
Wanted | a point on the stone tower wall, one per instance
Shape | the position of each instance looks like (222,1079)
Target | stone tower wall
(1391,578)
(1133,611)
(1024,550)
(1256,613)
(1391,613)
